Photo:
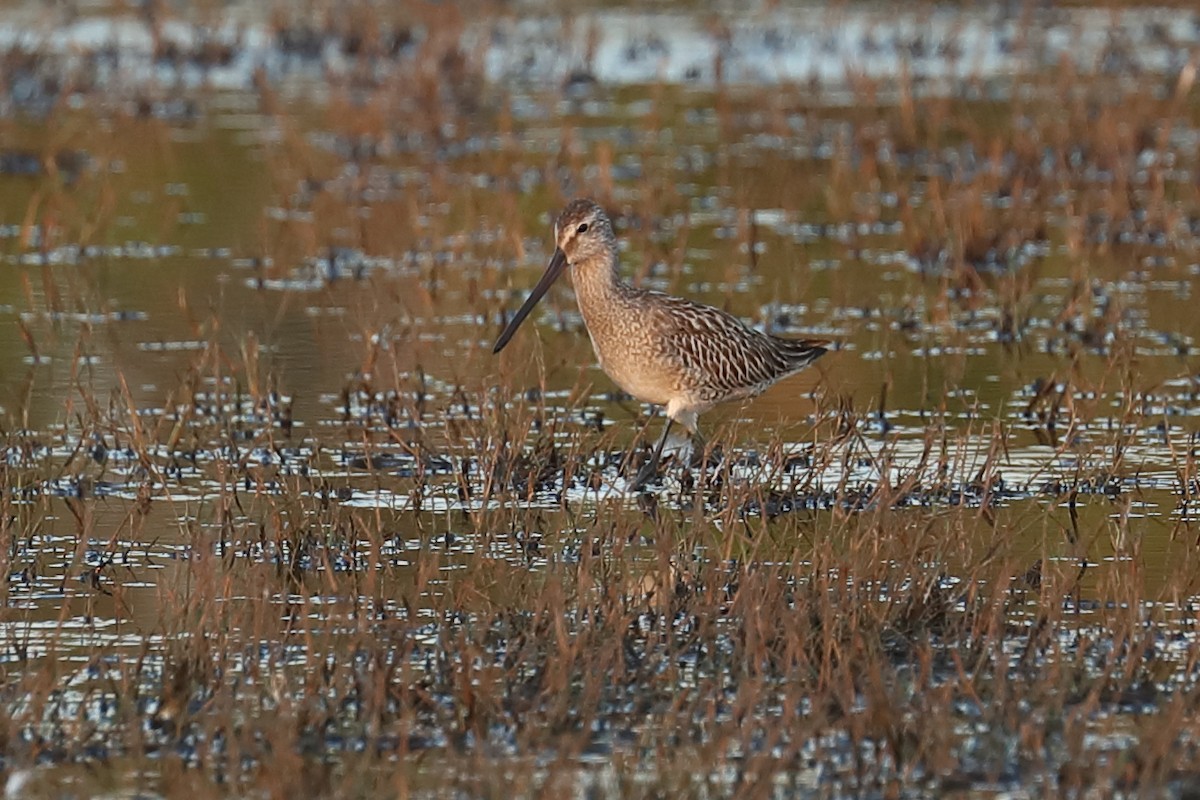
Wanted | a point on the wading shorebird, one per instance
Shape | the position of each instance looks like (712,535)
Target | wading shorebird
(661,349)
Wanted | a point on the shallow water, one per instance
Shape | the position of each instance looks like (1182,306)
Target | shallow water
(248,360)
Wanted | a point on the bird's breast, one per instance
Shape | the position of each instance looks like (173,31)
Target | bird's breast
(629,354)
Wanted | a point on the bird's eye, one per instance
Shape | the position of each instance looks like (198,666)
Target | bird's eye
(582,228)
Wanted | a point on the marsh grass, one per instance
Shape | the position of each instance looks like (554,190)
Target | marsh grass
(307,645)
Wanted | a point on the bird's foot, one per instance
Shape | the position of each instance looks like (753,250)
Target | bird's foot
(687,452)
(648,472)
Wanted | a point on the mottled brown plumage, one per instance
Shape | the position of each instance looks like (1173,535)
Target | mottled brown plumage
(661,349)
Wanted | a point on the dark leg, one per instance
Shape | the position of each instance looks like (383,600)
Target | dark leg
(699,445)
(699,459)
(650,468)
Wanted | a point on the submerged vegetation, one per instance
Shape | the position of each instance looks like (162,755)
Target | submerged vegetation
(275,522)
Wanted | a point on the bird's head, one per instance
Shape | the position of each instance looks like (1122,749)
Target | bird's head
(583,237)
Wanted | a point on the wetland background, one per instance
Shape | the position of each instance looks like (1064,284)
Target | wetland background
(275,522)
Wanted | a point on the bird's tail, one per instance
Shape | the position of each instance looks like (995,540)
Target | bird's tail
(802,352)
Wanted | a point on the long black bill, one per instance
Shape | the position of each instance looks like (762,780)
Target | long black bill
(558,263)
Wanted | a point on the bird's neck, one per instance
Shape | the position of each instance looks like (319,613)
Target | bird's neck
(598,283)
